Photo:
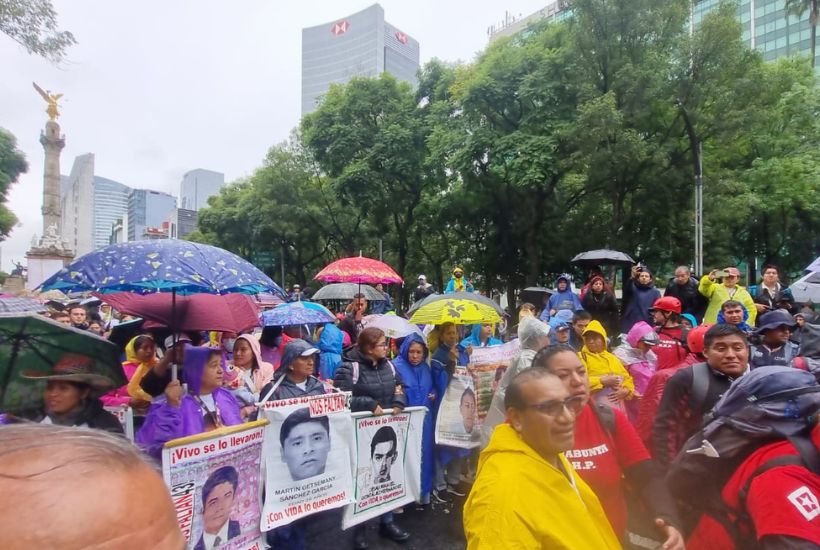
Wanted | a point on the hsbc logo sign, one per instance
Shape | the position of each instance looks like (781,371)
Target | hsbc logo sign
(340,27)
(401,37)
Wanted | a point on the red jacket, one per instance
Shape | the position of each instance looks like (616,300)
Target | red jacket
(652,398)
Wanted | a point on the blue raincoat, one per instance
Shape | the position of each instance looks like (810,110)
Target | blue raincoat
(744,326)
(330,344)
(562,300)
(418,385)
(473,339)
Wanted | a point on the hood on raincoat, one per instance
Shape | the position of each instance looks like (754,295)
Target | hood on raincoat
(196,357)
(532,333)
(691,319)
(566,278)
(473,338)
(561,317)
(721,320)
(638,331)
(332,339)
(404,350)
(597,328)
(255,348)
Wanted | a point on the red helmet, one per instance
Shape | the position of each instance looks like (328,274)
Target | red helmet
(694,339)
(667,303)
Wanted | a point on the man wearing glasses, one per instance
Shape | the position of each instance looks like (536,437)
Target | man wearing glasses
(550,507)
(721,285)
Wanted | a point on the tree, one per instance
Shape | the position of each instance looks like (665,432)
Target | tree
(33,25)
(12,164)
(798,8)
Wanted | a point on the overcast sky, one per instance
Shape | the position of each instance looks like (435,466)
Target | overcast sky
(156,88)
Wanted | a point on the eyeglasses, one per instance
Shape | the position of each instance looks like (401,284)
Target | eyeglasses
(555,407)
(382,345)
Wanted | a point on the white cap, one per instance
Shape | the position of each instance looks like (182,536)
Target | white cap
(423,277)
(180,338)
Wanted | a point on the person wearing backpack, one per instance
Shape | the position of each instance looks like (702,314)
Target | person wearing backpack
(693,391)
(774,348)
(377,387)
(608,455)
(666,316)
(809,358)
(751,475)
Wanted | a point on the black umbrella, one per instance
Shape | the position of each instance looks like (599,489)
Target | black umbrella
(603,256)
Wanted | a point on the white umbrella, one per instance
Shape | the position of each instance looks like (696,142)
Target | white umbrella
(393,326)
(807,288)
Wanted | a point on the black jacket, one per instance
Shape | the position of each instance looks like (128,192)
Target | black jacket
(378,384)
(692,301)
(93,416)
(603,309)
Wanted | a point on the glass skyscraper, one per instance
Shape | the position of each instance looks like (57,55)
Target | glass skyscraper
(362,44)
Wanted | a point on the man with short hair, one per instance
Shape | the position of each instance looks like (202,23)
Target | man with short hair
(775,328)
(66,487)
(692,391)
(62,317)
(684,287)
(218,495)
(79,317)
(580,320)
(732,312)
(671,347)
(383,454)
(526,494)
(305,442)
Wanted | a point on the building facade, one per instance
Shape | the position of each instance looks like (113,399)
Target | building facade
(362,44)
(147,208)
(197,185)
(90,205)
(181,223)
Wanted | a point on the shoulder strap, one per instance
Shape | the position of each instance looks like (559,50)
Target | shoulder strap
(701,378)
(606,416)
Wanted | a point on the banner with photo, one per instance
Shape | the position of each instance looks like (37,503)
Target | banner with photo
(470,393)
(307,457)
(386,457)
(215,480)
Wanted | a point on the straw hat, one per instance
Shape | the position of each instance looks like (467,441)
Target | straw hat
(73,368)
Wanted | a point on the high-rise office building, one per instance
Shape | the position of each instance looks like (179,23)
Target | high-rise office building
(147,209)
(362,44)
(181,223)
(766,26)
(90,204)
(197,185)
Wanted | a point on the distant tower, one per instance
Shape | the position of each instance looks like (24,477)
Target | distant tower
(53,144)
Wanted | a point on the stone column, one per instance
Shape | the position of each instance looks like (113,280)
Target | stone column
(53,144)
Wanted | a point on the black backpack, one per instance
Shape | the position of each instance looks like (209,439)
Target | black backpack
(767,405)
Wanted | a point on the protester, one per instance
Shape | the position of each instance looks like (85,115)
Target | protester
(526,494)
(770,291)
(411,364)
(79,317)
(684,287)
(526,310)
(688,321)
(62,317)
(205,407)
(774,348)
(580,321)
(732,312)
(639,294)
(601,304)
(252,374)
(728,289)
(607,450)
(72,488)
(563,298)
(692,391)
(140,356)
(72,396)
(270,343)
(296,294)
(533,335)
(637,354)
(666,316)
(296,375)
(481,336)
(356,311)
(592,274)
(331,343)
(560,331)
(380,307)
(377,387)
(610,382)
(95,327)
(458,283)
(423,290)
(157,378)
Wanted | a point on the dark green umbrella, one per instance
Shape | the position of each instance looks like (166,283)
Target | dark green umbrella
(32,343)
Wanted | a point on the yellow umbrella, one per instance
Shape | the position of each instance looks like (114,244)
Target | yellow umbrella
(460,311)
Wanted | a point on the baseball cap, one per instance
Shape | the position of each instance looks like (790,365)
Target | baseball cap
(422,277)
(733,271)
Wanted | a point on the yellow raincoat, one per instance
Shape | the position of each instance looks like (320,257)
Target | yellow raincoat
(520,501)
(600,364)
(134,389)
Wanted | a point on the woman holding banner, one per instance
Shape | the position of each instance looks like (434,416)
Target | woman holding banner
(295,376)
(377,387)
(205,407)
(411,364)
(252,374)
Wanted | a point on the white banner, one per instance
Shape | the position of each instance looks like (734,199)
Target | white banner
(307,457)
(125,415)
(386,457)
(215,481)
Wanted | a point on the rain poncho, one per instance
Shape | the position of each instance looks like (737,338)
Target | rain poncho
(474,339)
(639,364)
(460,284)
(603,363)
(166,422)
(519,500)
(418,386)
(532,336)
(331,343)
(717,293)
(134,371)
(562,300)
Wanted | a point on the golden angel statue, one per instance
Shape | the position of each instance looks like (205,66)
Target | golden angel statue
(51,99)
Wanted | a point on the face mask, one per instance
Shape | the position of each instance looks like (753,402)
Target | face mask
(228,344)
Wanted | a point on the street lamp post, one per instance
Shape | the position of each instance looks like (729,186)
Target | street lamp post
(697,167)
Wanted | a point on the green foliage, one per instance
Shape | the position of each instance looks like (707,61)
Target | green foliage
(12,164)
(33,25)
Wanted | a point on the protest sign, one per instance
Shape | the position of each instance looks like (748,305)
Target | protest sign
(487,367)
(125,415)
(307,457)
(215,481)
(386,456)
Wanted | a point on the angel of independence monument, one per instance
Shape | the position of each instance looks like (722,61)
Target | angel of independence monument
(51,252)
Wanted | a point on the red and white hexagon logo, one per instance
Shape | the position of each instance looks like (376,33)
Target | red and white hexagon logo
(340,27)
(401,37)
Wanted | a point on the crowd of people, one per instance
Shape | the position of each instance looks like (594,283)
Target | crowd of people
(599,406)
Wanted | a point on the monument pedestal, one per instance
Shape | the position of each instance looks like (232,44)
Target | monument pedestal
(15,284)
(48,258)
